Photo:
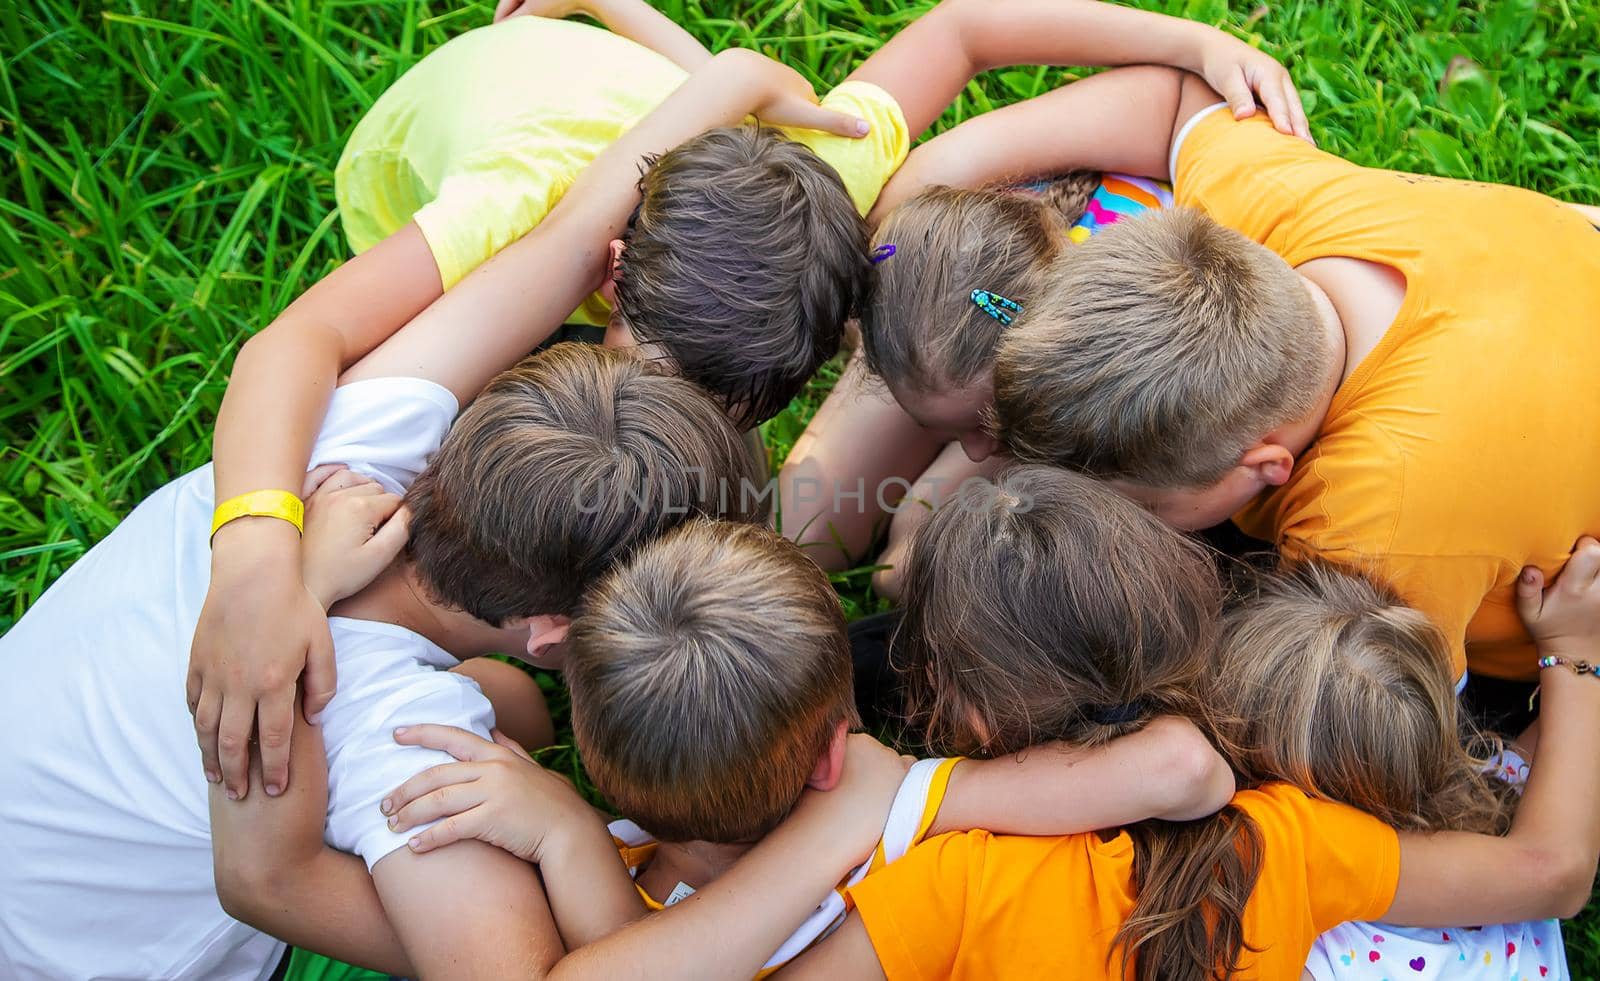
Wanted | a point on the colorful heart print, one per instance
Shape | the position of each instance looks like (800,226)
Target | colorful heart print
(1417,963)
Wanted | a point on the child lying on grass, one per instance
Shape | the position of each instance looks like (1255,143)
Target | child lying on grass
(745,256)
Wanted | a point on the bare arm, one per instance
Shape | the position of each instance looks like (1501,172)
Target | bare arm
(1166,770)
(846,954)
(927,65)
(635,20)
(1546,865)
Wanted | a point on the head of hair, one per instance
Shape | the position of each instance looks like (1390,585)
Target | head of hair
(1158,352)
(743,263)
(1330,682)
(708,675)
(1034,607)
(563,465)
(919,326)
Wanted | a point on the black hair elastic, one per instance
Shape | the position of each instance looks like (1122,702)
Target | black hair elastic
(1114,715)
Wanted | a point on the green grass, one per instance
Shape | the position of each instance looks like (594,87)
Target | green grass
(167,186)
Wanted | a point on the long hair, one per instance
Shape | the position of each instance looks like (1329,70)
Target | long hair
(1330,682)
(1049,608)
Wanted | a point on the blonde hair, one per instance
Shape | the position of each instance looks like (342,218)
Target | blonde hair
(1158,352)
(708,675)
(919,327)
(1055,608)
(1331,683)
(561,466)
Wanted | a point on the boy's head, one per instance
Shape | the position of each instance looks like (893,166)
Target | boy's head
(742,264)
(1329,681)
(920,329)
(1166,353)
(711,682)
(563,465)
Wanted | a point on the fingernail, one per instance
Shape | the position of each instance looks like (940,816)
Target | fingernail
(862,127)
(386,805)
(233,794)
(401,730)
(272,790)
(394,823)
(212,777)
(315,718)
(415,843)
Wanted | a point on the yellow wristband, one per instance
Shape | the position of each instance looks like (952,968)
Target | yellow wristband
(262,503)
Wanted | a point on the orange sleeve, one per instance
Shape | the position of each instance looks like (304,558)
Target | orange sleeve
(913,909)
(1248,176)
(1351,860)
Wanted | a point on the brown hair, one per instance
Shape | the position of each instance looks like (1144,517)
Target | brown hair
(561,466)
(1330,682)
(919,327)
(743,262)
(708,675)
(1159,353)
(1053,608)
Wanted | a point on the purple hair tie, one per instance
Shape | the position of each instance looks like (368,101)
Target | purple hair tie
(881,253)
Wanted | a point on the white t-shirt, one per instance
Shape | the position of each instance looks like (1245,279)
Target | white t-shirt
(105,846)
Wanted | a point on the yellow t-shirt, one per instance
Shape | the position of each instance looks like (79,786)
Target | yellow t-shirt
(981,906)
(480,139)
(1464,446)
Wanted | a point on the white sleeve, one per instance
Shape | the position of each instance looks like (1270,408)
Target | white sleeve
(386,428)
(365,763)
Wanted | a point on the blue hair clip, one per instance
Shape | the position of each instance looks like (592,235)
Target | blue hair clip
(999,307)
(881,253)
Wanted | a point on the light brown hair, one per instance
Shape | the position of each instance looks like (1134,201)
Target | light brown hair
(743,262)
(1054,608)
(1332,683)
(920,328)
(708,675)
(561,466)
(1158,352)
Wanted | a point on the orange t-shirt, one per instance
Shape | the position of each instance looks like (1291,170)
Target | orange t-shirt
(1467,444)
(977,905)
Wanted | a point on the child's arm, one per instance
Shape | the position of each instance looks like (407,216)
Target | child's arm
(926,66)
(1546,865)
(1166,770)
(259,622)
(499,796)
(635,20)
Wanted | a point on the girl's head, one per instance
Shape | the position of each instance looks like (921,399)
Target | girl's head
(1331,683)
(1050,607)
(920,328)
(1053,608)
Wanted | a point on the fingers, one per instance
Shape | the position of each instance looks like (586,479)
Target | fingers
(1297,111)
(452,829)
(808,116)
(447,801)
(193,685)
(505,8)
(1236,90)
(207,716)
(344,480)
(463,745)
(1530,593)
(1584,566)
(428,781)
(1272,96)
(391,537)
(502,739)
(316,477)
(233,745)
(321,675)
(274,729)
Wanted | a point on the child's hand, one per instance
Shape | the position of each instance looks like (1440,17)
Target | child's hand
(854,811)
(554,9)
(1565,618)
(496,794)
(354,529)
(1240,74)
(784,97)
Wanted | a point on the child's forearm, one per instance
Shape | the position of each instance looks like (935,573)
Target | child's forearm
(1167,770)
(1562,795)
(637,21)
(590,892)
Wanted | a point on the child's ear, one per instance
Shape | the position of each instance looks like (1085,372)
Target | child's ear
(608,288)
(1272,463)
(830,765)
(545,633)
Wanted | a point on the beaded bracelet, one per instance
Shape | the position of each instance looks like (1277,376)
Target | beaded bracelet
(1578,667)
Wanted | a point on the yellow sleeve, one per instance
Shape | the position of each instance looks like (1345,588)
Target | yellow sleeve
(866,164)
(914,910)
(485,205)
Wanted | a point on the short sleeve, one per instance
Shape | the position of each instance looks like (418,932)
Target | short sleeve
(1349,861)
(386,428)
(364,761)
(913,909)
(866,164)
(486,204)
(1248,176)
